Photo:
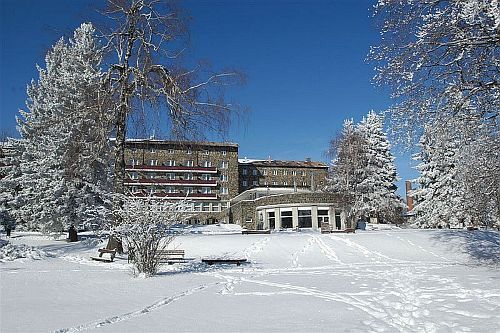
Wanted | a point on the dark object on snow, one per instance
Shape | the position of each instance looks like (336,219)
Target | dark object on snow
(107,258)
(255,232)
(72,234)
(238,262)
(114,244)
(7,221)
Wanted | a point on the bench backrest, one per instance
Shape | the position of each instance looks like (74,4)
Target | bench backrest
(172,252)
(106,251)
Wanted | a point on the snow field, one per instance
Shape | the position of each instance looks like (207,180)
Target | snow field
(377,281)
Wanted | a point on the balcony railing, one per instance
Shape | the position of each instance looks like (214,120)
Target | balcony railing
(163,168)
(171,182)
(179,196)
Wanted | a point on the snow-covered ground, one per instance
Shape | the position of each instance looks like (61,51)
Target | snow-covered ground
(371,281)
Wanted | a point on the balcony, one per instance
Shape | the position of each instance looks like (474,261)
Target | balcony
(163,168)
(171,182)
(179,196)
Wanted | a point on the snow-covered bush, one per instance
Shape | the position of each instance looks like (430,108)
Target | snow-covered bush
(9,252)
(146,229)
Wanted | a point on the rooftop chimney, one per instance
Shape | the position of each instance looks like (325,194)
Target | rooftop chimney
(308,159)
(409,196)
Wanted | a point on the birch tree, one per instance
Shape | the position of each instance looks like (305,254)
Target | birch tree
(346,171)
(145,40)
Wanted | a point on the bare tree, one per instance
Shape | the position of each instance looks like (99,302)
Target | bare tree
(432,51)
(347,170)
(145,40)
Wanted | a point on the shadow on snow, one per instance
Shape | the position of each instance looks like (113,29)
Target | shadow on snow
(482,246)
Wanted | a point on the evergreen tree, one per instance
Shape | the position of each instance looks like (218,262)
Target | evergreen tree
(459,175)
(378,186)
(58,175)
(363,169)
(439,197)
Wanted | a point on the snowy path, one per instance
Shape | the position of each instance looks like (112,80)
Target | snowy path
(397,281)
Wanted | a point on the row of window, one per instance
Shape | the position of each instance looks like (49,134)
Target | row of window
(172,176)
(244,183)
(171,189)
(188,163)
(188,151)
(255,172)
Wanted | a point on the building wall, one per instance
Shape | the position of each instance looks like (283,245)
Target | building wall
(247,212)
(172,169)
(255,175)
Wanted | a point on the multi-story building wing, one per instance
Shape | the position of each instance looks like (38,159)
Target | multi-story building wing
(269,193)
(283,174)
(203,172)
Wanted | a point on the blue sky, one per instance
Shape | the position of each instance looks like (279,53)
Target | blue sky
(304,60)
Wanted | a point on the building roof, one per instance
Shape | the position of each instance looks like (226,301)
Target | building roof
(181,143)
(279,163)
(258,192)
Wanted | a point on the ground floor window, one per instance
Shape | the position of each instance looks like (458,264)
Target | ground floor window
(286,219)
(323,218)
(212,221)
(305,219)
(338,220)
(272,220)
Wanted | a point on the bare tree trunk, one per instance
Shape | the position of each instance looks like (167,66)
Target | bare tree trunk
(121,129)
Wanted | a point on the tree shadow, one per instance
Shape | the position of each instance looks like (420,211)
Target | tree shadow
(482,246)
(198,267)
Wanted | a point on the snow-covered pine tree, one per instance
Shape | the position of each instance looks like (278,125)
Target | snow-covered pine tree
(439,197)
(477,168)
(377,188)
(478,172)
(59,171)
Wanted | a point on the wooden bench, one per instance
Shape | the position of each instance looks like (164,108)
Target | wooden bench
(171,256)
(255,232)
(107,258)
(336,231)
(238,262)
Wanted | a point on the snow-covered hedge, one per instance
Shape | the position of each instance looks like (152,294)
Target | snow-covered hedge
(9,252)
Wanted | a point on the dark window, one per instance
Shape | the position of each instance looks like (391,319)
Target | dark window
(338,223)
(272,220)
(305,219)
(286,220)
